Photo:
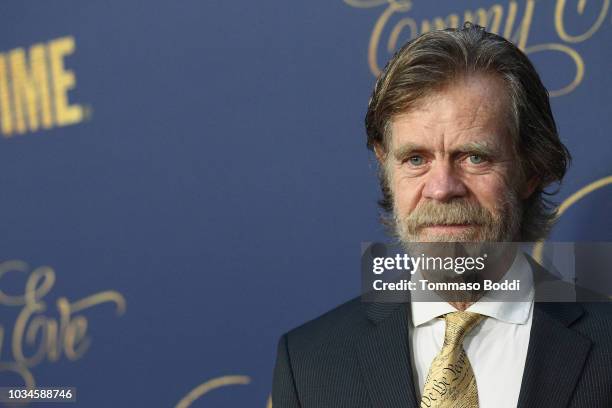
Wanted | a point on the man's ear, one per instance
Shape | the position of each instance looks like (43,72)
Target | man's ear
(380,152)
(530,187)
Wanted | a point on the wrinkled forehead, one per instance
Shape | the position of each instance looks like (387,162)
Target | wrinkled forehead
(474,109)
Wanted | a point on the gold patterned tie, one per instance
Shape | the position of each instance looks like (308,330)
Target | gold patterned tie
(450,382)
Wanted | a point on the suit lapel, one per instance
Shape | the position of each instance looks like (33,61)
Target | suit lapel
(384,357)
(555,357)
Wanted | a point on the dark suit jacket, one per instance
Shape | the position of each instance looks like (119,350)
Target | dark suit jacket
(358,355)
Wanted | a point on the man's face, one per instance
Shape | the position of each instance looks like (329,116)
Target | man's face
(451,167)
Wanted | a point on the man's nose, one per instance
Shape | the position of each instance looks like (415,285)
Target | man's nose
(443,183)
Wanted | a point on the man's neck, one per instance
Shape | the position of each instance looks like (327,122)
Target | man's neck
(501,266)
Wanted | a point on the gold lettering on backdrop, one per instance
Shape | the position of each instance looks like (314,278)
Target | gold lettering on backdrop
(210,385)
(560,11)
(34,86)
(213,384)
(569,202)
(504,19)
(37,336)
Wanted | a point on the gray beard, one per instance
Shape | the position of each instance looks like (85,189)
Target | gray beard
(501,227)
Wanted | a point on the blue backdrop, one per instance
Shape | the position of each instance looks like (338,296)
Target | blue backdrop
(182,182)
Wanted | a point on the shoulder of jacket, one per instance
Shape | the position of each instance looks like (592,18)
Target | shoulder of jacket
(342,322)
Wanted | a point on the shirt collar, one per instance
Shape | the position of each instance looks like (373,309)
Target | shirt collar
(515,312)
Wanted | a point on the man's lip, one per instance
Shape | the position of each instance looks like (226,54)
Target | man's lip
(448,227)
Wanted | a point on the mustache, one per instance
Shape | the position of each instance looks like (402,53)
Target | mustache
(452,212)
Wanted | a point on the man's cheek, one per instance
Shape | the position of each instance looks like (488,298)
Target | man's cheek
(489,190)
(405,197)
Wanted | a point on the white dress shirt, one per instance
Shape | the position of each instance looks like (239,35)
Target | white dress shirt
(496,347)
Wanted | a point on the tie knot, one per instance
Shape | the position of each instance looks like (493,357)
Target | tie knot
(458,324)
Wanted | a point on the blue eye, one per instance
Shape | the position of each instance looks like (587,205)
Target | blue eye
(416,160)
(476,159)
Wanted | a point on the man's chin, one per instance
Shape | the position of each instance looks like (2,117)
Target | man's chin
(449,233)
(467,236)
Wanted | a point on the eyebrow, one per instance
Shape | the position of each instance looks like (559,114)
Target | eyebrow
(481,148)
